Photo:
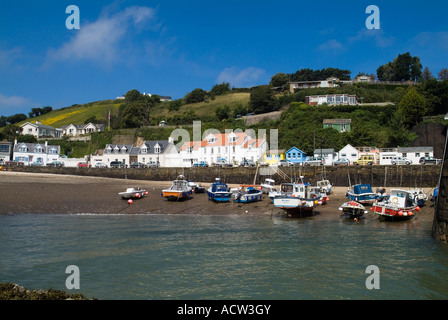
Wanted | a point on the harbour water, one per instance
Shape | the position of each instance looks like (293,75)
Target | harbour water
(191,256)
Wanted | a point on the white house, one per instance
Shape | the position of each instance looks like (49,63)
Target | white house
(163,152)
(386,155)
(412,153)
(39,130)
(328,154)
(80,129)
(349,152)
(35,152)
(114,152)
(331,99)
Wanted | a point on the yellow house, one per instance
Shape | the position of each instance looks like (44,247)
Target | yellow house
(274,156)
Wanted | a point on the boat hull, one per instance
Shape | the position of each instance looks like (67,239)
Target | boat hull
(369,198)
(391,213)
(176,195)
(247,198)
(136,194)
(352,210)
(219,196)
(295,207)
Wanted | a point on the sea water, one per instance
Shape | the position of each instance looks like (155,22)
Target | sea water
(252,256)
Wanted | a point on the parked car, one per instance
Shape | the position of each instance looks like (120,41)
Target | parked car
(83,164)
(36,164)
(200,164)
(55,164)
(153,164)
(314,161)
(284,163)
(100,165)
(117,164)
(247,163)
(341,162)
(400,160)
(430,160)
(137,165)
(222,162)
(365,159)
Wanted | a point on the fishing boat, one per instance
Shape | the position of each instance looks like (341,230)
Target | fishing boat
(325,186)
(353,210)
(197,188)
(296,199)
(268,186)
(246,195)
(133,193)
(180,189)
(400,206)
(319,193)
(381,194)
(420,196)
(219,191)
(361,193)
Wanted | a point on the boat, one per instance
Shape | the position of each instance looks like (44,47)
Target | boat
(246,195)
(219,191)
(318,192)
(133,193)
(434,195)
(296,199)
(325,186)
(381,194)
(353,210)
(420,196)
(180,189)
(268,186)
(197,188)
(401,205)
(361,193)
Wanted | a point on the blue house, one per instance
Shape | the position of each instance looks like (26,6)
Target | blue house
(295,155)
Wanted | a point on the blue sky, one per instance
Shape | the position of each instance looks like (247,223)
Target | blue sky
(170,47)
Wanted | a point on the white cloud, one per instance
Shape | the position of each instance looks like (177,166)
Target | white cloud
(247,77)
(333,46)
(99,41)
(376,34)
(8,104)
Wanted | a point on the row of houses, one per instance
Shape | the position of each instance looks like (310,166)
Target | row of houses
(381,156)
(40,130)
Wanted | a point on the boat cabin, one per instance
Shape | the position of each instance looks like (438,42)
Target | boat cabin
(401,198)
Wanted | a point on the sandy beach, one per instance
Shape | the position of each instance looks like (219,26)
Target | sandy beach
(66,194)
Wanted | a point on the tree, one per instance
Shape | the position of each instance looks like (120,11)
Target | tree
(262,100)
(279,80)
(223,112)
(427,74)
(443,74)
(220,89)
(197,95)
(403,68)
(132,95)
(412,108)
(16,118)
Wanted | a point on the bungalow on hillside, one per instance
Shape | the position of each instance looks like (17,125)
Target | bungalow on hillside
(40,131)
(331,99)
(81,129)
(341,125)
(328,83)
(349,152)
(295,155)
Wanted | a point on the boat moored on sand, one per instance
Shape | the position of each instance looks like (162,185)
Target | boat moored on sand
(361,193)
(296,199)
(219,191)
(133,193)
(180,189)
(352,209)
(401,205)
(246,195)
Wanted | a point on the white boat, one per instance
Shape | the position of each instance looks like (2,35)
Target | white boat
(401,205)
(325,186)
(133,193)
(353,209)
(296,199)
(420,196)
(180,189)
(268,186)
(246,195)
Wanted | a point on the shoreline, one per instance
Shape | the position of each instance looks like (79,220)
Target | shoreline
(46,193)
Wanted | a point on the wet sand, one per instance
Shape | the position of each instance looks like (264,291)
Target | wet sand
(65,194)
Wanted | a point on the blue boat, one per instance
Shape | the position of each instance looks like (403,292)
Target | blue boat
(250,194)
(434,195)
(219,192)
(362,193)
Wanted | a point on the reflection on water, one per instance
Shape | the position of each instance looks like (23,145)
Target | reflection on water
(223,257)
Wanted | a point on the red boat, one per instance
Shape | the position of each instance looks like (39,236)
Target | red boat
(401,205)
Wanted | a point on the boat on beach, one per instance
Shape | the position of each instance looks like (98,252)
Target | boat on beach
(133,193)
(180,189)
(268,186)
(219,191)
(420,196)
(197,188)
(246,195)
(353,210)
(361,193)
(325,186)
(401,205)
(296,199)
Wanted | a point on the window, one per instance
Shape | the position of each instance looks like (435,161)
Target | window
(53,151)
(144,149)
(157,149)
(417,154)
(23,149)
(404,154)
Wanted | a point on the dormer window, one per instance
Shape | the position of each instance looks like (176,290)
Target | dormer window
(116,149)
(38,149)
(108,149)
(23,148)
(123,149)
(144,149)
(53,151)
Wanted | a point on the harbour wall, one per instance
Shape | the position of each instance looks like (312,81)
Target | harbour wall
(386,176)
